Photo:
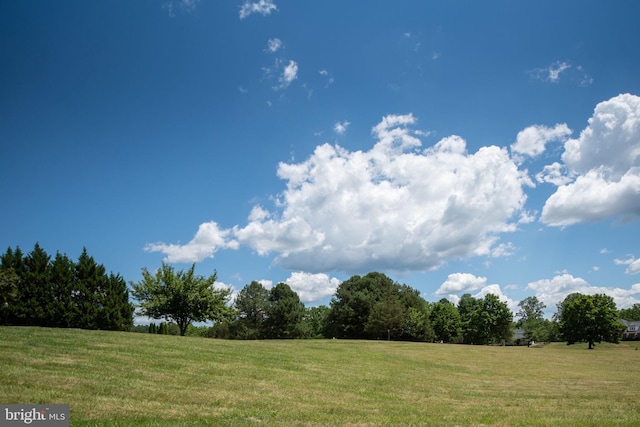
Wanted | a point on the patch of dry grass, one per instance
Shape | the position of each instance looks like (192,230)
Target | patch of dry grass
(125,379)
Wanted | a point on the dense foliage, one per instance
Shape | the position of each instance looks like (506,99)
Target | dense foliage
(182,297)
(632,313)
(590,318)
(38,291)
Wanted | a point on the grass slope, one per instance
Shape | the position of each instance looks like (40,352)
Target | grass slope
(127,379)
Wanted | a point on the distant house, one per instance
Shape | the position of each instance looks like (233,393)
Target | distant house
(519,337)
(633,329)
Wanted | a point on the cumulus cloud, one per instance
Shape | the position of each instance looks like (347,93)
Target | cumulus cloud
(391,207)
(555,290)
(205,243)
(632,262)
(312,287)
(461,283)
(261,7)
(603,164)
(555,173)
(531,141)
(397,207)
(341,127)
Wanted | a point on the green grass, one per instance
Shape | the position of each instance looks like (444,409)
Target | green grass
(124,379)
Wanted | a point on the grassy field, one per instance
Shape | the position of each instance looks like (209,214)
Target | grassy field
(127,379)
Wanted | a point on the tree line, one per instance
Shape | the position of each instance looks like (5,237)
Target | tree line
(375,307)
(38,290)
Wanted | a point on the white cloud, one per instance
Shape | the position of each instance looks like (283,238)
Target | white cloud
(573,73)
(330,80)
(461,283)
(289,74)
(205,243)
(497,291)
(186,6)
(341,128)
(552,72)
(555,173)
(532,140)
(274,45)
(605,160)
(312,287)
(555,70)
(390,207)
(262,7)
(632,262)
(555,290)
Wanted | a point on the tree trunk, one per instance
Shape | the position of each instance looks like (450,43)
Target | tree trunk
(590,345)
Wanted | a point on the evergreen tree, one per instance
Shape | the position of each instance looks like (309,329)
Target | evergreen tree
(117,312)
(90,286)
(9,281)
(62,282)
(386,317)
(252,303)
(37,308)
(285,313)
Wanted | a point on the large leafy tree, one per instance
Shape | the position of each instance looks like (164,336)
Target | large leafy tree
(531,319)
(285,313)
(315,319)
(487,320)
(353,301)
(180,296)
(445,320)
(466,307)
(252,303)
(590,318)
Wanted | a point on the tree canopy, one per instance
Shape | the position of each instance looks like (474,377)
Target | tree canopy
(40,291)
(182,297)
(589,318)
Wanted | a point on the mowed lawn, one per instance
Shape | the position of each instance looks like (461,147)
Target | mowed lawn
(123,379)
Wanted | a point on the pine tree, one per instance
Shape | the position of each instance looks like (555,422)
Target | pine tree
(36,295)
(14,261)
(62,281)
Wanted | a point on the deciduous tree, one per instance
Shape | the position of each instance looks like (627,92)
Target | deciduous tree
(590,318)
(182,296)
(445,320)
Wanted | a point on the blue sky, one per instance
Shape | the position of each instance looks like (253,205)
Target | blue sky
(456,146)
